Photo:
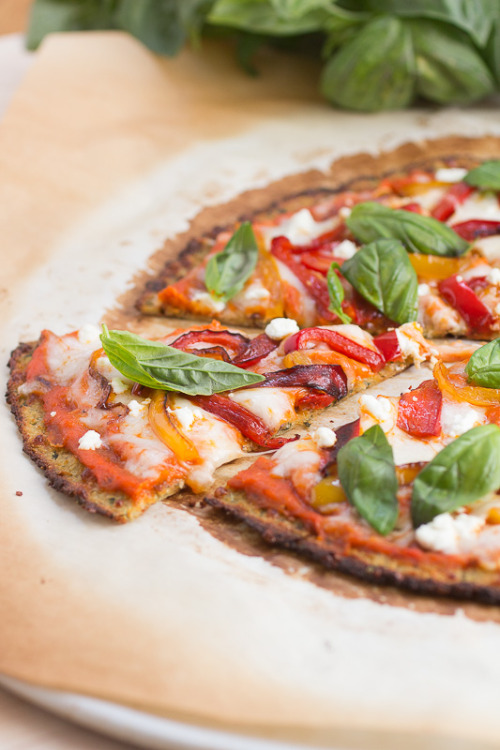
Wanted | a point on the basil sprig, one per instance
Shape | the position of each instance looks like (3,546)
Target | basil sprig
(368,475)
(157,365)
(485,177)
(419,234)
(464,471)
(382,273)
(336,293)
(227,272)
(483,368)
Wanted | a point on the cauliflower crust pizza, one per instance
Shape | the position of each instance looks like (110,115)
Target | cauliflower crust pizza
(350,281)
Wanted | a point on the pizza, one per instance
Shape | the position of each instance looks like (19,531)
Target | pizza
(348,283)
(428,236)
(177,409)
(406,494)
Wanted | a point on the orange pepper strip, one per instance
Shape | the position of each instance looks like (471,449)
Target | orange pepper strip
(456,386)
(434,267)
(168,433)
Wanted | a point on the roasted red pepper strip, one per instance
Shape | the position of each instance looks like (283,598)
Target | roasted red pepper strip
(419,411)
(282,248)
(388,343)
(234,343)
(449,203)
(337,342)
(460,296)
(248,424)
(475,228)
(344,433)
(317,261)
(257,349)
(329,378)
(414,208)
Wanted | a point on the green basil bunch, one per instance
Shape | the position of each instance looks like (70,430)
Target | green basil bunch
(378,54)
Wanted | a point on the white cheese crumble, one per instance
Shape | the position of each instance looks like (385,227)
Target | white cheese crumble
(449,534)
(457,418)
(187,413)
(53,413)
(379,408)
(88,334)
(280,328)
(409,347)
(346,249)
(494,276)
(119,386)
(345,212)
(423,289)
(135,407)
(450,174)
(206,299)
(325,437)
(90,441)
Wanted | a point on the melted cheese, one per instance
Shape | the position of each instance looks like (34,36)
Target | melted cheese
(275,406)
(299,455)
(477,206)
(300,228)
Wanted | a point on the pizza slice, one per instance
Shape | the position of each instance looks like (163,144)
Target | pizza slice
(408,494)
(121,422)
(423,245)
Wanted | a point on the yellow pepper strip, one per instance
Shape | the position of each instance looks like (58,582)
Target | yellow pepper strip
(456,385)
(163,426)
(326,493)
(434,267)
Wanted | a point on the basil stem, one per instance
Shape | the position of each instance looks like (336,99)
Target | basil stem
(228,271)
(368,475)
(463,472)
(419,234)
(336,292)
(483,368)
(163,367)
(382,273)
(485,177)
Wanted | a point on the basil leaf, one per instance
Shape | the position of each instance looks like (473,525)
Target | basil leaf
(374,70)
(450,70)
(163,367)
(382,273)
(419,234)
(368,475)
(492,51)
(336,292)
(486,176)
(48,16)
(156,23)
(227,271)
(276,17)
(483,368)
(476,18)
(464,471)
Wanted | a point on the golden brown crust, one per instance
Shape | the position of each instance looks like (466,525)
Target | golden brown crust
(420,577)
(62,469)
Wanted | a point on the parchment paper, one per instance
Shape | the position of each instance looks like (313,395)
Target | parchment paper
(105,152)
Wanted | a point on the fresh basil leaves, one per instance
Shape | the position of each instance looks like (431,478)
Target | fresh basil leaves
(483,368)
(382,273)
(157,365)
(227,272)
(464,471)
(485,177)
(336,292)
(368,475)
(373,70)
(419,234)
